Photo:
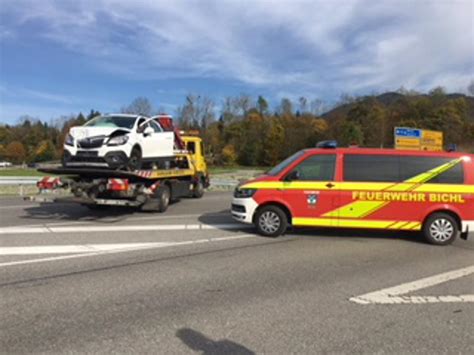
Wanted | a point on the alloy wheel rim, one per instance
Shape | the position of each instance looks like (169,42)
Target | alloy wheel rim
(269,222)
(441,230)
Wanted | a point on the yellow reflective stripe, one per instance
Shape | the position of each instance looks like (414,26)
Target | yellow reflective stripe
(355,223)
(361,209)
(358,209)
(445,188)
(397,225)
(426,176)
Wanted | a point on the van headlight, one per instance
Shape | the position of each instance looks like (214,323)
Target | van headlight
(69,140)
(118,140)
(244,193)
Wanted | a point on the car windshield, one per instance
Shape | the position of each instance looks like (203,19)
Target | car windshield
(284,164)
(112,121)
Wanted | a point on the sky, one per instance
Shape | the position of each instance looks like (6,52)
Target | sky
(62,57)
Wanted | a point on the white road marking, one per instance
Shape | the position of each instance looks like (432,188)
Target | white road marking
(18,206)
(74,249)
(395,295)
(127,249)
(119,228)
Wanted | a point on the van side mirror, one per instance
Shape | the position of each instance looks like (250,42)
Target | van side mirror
(294,175)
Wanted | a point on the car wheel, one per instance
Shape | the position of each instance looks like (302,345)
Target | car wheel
(440,229)
(198,190)
(135,160)
(163,196)
(271,221)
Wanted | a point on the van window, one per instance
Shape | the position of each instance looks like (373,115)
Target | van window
(394,168)
(319,167)
(376,168)
(411,166)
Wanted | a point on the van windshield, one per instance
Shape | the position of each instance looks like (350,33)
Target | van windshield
(284,164)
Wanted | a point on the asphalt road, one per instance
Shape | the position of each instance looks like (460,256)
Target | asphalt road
(193,281)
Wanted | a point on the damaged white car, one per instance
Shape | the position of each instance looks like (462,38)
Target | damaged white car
(117,141)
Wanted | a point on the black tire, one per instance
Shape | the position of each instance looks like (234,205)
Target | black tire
(163,196)
(271,221)
(135,160)
(198,190)
(440,229)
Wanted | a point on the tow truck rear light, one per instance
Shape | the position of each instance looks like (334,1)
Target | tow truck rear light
(49,183)
(118,185)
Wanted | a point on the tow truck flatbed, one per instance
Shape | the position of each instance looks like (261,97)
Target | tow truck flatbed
(152,174)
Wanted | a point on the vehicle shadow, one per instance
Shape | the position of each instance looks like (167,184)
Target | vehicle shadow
(199,342)
(359,235)
(75,212)
(341,233)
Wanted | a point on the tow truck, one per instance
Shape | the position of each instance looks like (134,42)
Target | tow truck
(184,174)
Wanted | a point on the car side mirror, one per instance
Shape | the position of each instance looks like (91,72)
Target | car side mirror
(148,131)
(294,175)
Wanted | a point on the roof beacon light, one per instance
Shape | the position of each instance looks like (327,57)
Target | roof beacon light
(327,144)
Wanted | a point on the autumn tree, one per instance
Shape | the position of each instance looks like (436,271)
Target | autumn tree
(16,152)
(139,106)
(45,151)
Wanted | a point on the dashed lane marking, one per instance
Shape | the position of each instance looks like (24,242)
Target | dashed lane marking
(398,294)
(103,249)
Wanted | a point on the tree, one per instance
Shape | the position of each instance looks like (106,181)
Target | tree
(139,106)
(45,151)
(303,101)
(196,113)
(286,107)
(470,88)
(229,155)
(92,114)
(351,134)
(262,105)
(16,152)
(317,107)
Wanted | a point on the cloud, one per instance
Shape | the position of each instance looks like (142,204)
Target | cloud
(321,47)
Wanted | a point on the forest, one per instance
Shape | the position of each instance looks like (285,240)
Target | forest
(246,131)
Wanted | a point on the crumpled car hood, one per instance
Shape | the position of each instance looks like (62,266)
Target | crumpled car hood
(82,132)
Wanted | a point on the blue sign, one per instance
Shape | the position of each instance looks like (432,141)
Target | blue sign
(408,132)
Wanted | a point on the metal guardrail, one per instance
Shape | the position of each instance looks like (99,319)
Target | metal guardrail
(19,180)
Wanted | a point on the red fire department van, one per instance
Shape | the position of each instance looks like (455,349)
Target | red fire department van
(432,192)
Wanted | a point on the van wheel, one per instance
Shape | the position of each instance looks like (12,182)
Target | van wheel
(135,160)
(440,229)
(163,196)
(198,190)
(271,221)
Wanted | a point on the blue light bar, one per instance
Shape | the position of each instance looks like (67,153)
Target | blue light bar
(327,144)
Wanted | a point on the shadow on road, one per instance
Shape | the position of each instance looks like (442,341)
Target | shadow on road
(199,342)
(76,212)
(359,235)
